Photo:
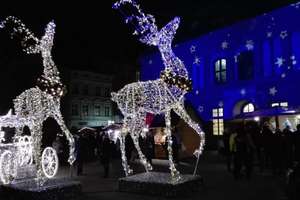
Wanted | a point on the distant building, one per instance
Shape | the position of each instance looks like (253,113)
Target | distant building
(88,101)
(249,71)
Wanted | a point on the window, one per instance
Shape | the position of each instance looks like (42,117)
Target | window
(97,110)
(85,90)
(248,108)
(218,122)
(106,111)
(106,92)
(74,110)
(245,65)
(85,110)
(220,71)
(98,91)
(280,104)
(75,89)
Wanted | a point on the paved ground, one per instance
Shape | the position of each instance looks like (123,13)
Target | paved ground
(218,183)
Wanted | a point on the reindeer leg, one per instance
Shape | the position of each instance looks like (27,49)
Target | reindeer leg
(59,119)
(135,138)
(181,112)
(175,175)
(125,165)
(36,133)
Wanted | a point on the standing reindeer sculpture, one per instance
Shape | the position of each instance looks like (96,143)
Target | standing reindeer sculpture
(35,105)
(158,96)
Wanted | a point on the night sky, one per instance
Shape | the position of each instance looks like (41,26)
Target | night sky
(92,36)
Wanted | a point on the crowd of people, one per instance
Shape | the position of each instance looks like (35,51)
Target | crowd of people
(251,145)
(100,145)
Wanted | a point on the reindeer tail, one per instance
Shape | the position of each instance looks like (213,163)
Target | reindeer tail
(114,96)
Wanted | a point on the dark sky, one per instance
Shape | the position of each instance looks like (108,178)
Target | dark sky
(90,32)
(90,35)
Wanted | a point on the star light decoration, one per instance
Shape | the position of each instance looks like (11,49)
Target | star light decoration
(269,34)
(272,91)
(224,45)
(293,60)
(296,5)
(283,34)
(32,108)
(192,49)
(158,96)
(243,92)
(196,60)
(201,109)
(279,61)
(249,45)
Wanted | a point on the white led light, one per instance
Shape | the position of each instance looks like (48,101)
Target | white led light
(32,108)
(158,96)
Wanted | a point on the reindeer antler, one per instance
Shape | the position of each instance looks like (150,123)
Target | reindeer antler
(144,24)
(50,80)
(27,37)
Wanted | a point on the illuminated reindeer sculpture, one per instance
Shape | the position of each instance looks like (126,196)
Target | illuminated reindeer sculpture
(35,105)
(158,96)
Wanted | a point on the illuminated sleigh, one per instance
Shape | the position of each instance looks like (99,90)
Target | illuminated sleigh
(18,155)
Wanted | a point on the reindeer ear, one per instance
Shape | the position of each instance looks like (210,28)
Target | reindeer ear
(47,39)
(50,28)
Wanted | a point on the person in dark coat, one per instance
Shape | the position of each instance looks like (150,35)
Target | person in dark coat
(129,147)
(80,153)
(106,151)
(267,147)
(287,135)
(244,153)
(297,143)
(227,152)
(149,147)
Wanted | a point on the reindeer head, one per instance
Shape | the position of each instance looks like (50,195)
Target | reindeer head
(144,24)
(50,80)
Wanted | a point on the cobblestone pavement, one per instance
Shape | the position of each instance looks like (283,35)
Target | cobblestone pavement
(218,183)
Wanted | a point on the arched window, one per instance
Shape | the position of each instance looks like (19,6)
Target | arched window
(248,108)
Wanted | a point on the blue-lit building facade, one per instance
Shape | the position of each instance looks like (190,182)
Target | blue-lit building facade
(247,71)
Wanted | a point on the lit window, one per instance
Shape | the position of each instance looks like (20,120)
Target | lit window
(106,111)
(220,71)
(106,92)
(218,122)
(280,104)
(284,104)
(97,110)
(85,110)
(275,104)
(248,108)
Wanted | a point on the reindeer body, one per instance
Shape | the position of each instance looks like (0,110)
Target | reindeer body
(153,97)
(34,102)
(39,103)
(158,96)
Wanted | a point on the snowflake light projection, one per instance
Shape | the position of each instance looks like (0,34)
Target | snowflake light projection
(158,96)
(32,108)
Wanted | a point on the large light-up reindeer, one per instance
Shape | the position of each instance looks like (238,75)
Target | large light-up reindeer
(158,96)
(35,105)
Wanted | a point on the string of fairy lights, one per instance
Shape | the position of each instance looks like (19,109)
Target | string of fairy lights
(158,96)
(32,108)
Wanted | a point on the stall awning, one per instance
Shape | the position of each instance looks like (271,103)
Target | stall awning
(275,111)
